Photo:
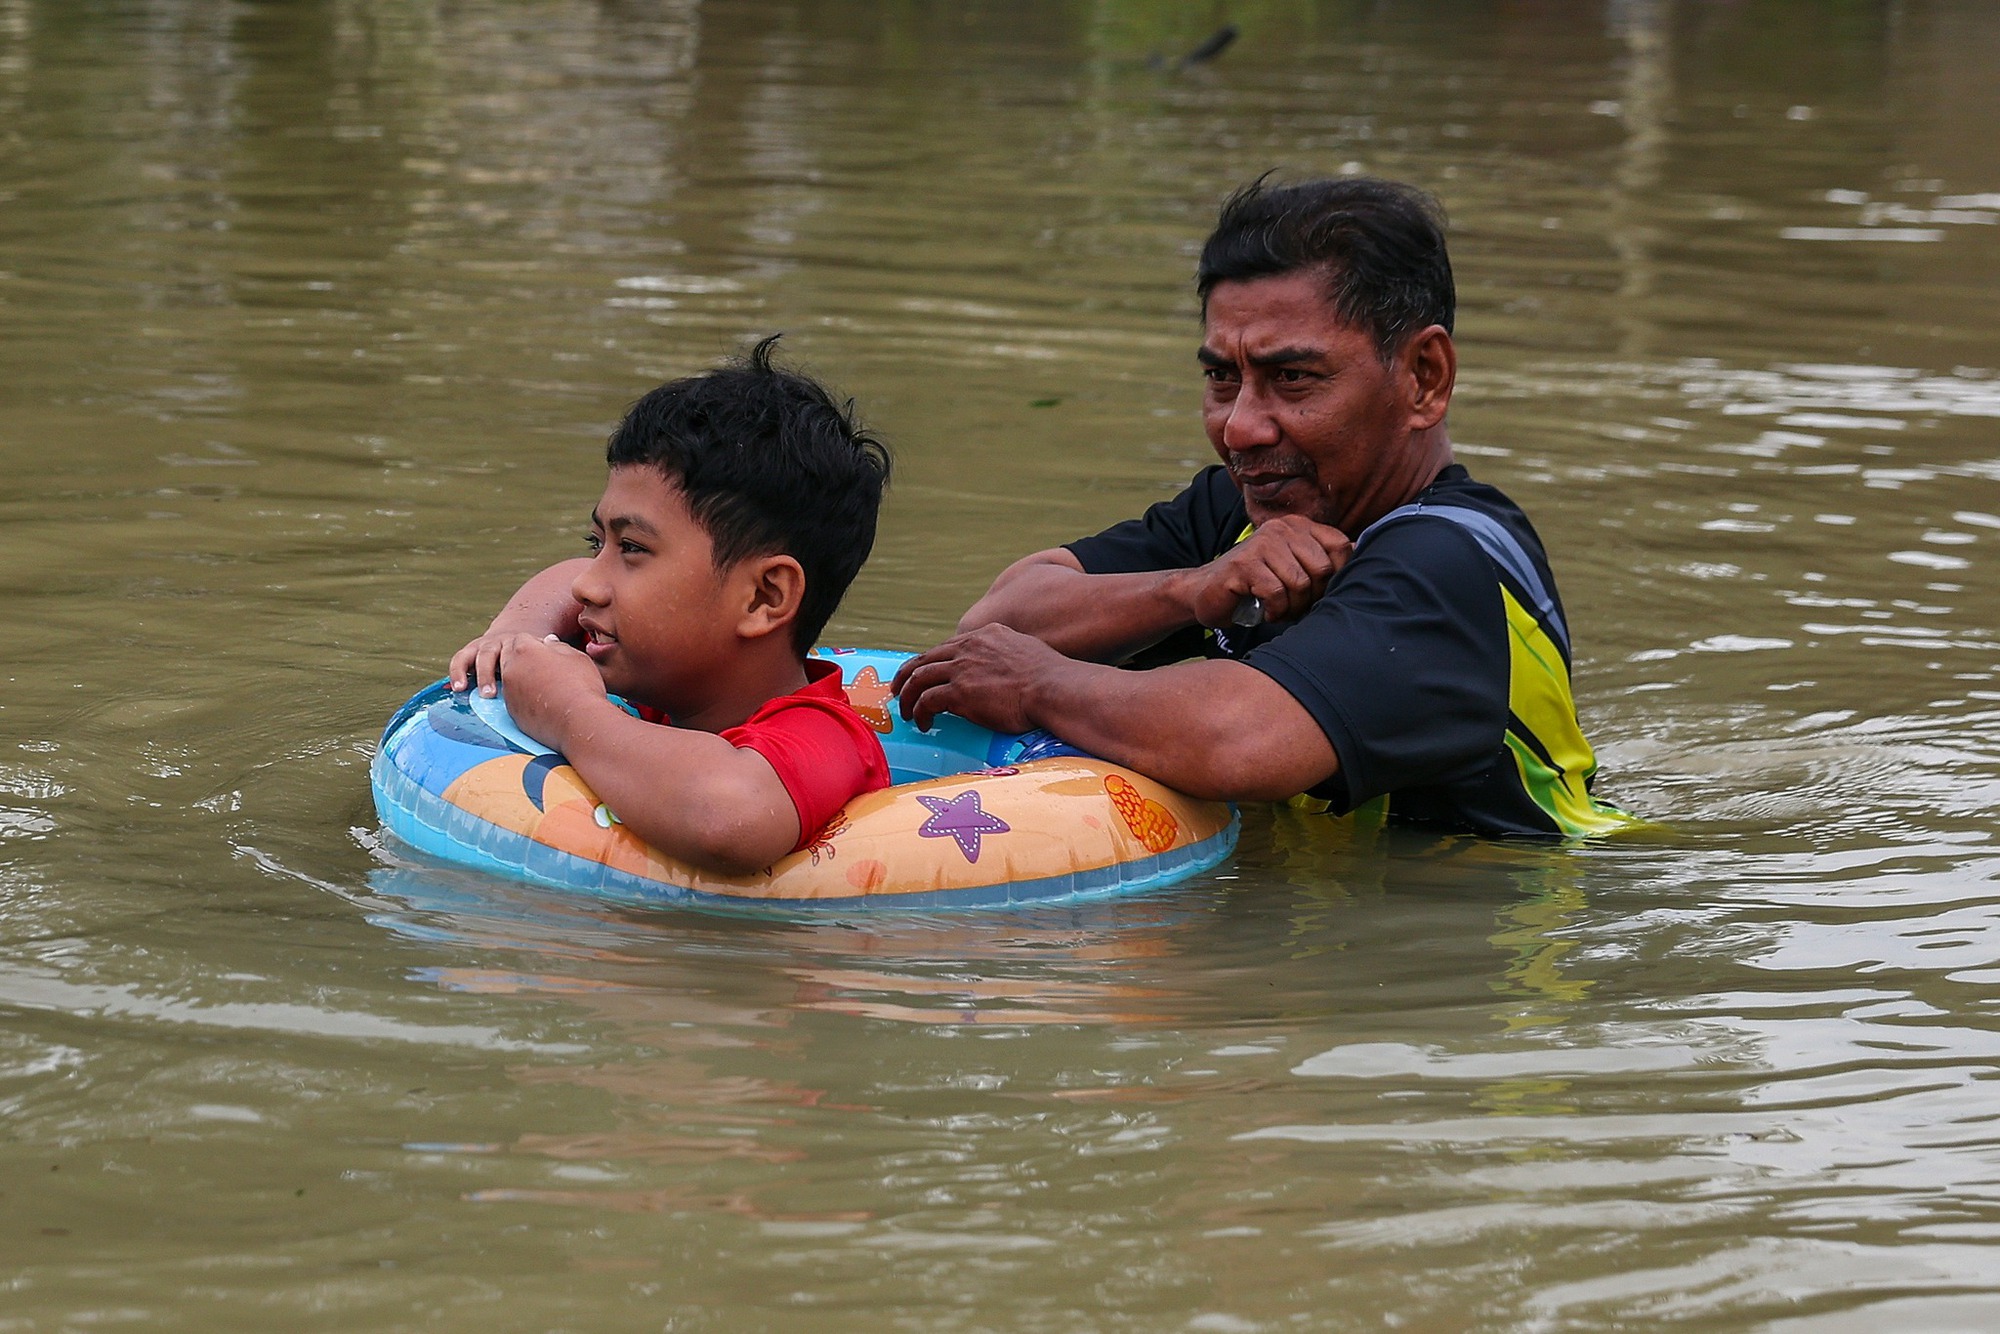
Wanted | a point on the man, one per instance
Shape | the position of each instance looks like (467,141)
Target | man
(1347,614)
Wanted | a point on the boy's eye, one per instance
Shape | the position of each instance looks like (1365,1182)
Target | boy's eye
(594,542)
(631,548)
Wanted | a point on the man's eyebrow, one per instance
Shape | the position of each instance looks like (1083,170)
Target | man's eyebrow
(1287,356)
(1283,356)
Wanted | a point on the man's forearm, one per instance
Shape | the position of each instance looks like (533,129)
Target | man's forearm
(1102,618)
(1211,729)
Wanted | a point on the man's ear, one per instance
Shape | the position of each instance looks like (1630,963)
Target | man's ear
(1428,363)
(772,588)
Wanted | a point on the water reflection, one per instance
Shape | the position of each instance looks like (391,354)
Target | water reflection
(1152,1042)
(1057,966)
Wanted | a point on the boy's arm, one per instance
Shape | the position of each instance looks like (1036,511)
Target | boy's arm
(543,606)
(689,794)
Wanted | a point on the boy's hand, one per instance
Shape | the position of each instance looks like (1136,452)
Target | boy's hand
(478,661)
(546,681)
(545,605)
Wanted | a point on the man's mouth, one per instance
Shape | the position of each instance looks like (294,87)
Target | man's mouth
(1267,488)
(1263,473)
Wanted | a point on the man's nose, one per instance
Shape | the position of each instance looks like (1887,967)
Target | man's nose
(1250,423)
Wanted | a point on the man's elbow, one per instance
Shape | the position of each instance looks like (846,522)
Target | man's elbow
(997,607)
(1021,591)
(980,613)
(1242,767)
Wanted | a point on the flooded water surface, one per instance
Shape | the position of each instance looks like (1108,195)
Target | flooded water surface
(313,318)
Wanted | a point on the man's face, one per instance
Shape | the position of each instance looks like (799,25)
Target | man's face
(1297,404)
(656,618)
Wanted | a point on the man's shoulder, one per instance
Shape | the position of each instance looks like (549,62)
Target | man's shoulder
(1471,511)
(1455,528)
(1457,486)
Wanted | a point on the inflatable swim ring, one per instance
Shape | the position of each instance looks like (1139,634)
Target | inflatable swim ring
(975,817)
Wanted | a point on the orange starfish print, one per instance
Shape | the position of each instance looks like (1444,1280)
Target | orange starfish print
(869,694)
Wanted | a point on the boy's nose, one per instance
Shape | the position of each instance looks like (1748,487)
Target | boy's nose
(587,588)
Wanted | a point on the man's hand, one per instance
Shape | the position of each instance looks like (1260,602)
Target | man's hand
(1286,564)
(984,675)
(546,681)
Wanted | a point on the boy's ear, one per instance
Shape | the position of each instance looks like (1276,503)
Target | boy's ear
(773,587)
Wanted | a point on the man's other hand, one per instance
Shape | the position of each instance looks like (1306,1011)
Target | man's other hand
(984,675)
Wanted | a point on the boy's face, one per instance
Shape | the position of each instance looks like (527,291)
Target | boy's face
(657,619)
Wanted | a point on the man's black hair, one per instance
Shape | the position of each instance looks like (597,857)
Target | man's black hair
(768,463)
(1378,244)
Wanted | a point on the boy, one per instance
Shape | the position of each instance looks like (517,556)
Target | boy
(739,506)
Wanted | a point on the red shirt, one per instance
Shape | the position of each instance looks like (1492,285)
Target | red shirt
(824,752)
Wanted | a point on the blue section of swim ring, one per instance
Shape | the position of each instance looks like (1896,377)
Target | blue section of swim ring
(463,729)
(427,743)
(492,711)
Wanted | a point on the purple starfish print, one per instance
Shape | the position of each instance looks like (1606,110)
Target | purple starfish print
(960,819)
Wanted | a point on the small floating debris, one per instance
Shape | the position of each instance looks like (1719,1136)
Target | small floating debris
(1215,44)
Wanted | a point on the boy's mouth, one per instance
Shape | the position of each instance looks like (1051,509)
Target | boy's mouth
(597,642)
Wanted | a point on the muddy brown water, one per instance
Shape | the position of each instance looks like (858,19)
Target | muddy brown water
(312,319)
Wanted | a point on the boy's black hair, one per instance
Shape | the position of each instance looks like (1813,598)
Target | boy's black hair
(769,463)
(1380,245)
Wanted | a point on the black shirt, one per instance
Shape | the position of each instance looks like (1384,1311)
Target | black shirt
(1406,662)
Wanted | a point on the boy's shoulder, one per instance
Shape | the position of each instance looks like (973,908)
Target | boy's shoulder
(824,752)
